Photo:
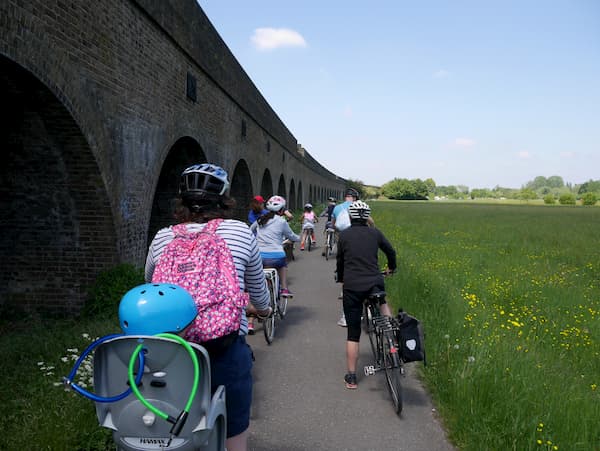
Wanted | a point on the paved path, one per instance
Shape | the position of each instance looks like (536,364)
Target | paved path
(300,401)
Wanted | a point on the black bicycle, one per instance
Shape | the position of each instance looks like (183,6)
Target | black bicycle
(383,332)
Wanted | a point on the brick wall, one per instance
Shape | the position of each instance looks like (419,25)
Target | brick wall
(98,99)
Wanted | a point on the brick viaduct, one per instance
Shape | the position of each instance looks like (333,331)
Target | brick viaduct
(102,104)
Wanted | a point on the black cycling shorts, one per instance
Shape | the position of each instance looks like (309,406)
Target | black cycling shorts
(353,308)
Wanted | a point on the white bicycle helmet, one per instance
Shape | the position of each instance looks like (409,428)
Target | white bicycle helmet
(308,205)
(204,180)
(275,203)
(359,210)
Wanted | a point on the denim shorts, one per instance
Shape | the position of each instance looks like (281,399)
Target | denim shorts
(277,263)
(233,370)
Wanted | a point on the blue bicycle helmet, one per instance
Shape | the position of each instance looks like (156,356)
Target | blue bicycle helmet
(155,308)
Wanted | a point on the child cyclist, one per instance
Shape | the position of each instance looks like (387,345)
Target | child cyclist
(271,230)
(309,218)
(358,269)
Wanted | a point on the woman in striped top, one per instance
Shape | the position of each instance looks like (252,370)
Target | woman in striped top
(203,196)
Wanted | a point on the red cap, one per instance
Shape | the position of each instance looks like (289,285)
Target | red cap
(260,199)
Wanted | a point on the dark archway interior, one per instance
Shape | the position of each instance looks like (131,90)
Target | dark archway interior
(185,152)
(241,190)
(281,187)
(292,198)
(266,186)
(299,200)
(56,231)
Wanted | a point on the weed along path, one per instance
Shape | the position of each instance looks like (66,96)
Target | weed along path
(300,401)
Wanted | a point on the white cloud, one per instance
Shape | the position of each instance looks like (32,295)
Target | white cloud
(442,73)
(273,38)
(464,143)
(567,154)
(524,155)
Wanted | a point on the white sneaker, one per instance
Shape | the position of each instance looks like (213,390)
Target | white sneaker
(342,322)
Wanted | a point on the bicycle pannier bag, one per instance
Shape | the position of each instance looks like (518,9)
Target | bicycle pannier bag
(202,263)
(342,221)
(411,339)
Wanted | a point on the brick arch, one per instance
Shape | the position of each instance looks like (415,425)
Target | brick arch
(183,153)
(241,189)
(266,185)
(57,231)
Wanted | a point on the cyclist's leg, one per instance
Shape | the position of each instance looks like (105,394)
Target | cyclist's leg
(352,311)
(303,239)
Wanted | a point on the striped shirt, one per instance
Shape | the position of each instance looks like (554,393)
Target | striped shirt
(243,247)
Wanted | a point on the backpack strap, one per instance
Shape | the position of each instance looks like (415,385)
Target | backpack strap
(212,226)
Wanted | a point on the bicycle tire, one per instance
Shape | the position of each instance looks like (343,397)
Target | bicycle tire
(328,247)
(393,375)
(309,239)
(369,328)
(269,323)
(282,307)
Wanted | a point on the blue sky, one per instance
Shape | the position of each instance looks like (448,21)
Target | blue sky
(475,93)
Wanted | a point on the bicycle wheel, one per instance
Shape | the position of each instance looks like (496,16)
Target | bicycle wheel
(393,374)
(369,328)
(328,247)
(309,239)
(269,327)
(269,323)
(282,307)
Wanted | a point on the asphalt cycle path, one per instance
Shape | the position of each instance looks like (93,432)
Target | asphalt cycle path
(300,401)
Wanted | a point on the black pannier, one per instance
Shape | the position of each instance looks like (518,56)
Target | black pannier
(411,338)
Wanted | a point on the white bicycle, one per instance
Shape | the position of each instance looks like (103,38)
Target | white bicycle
(277,301)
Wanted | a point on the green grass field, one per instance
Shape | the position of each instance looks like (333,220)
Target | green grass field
(510,299)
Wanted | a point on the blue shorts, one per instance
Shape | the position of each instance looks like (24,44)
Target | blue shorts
(277,263)
(233,370)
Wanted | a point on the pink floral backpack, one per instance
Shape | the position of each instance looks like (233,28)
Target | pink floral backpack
(202,263)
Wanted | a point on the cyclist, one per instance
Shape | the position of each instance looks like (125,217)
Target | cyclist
(202,190)
(309,218)
(271,229)
(340,221)
(330,207)
(358,269)
(257,209)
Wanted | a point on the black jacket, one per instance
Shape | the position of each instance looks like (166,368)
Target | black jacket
(357,266)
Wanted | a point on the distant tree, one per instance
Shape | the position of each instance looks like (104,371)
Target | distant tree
(462,189)
(527,194)
(537,183)
(591,186)
(430,185)
(589,199)
(549,199)
(481,193)
(555,181)
(404,189)
(567,199)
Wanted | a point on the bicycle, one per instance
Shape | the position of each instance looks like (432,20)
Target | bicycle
(310,233)
(277,301)
(382,332)
(329,241)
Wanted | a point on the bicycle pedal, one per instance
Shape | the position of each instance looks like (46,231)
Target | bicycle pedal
(369,370)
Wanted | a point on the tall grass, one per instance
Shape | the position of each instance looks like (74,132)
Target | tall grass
(510,299)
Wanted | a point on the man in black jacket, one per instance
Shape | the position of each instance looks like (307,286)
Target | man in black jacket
(358,269)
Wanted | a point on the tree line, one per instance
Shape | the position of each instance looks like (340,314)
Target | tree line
(551,189)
